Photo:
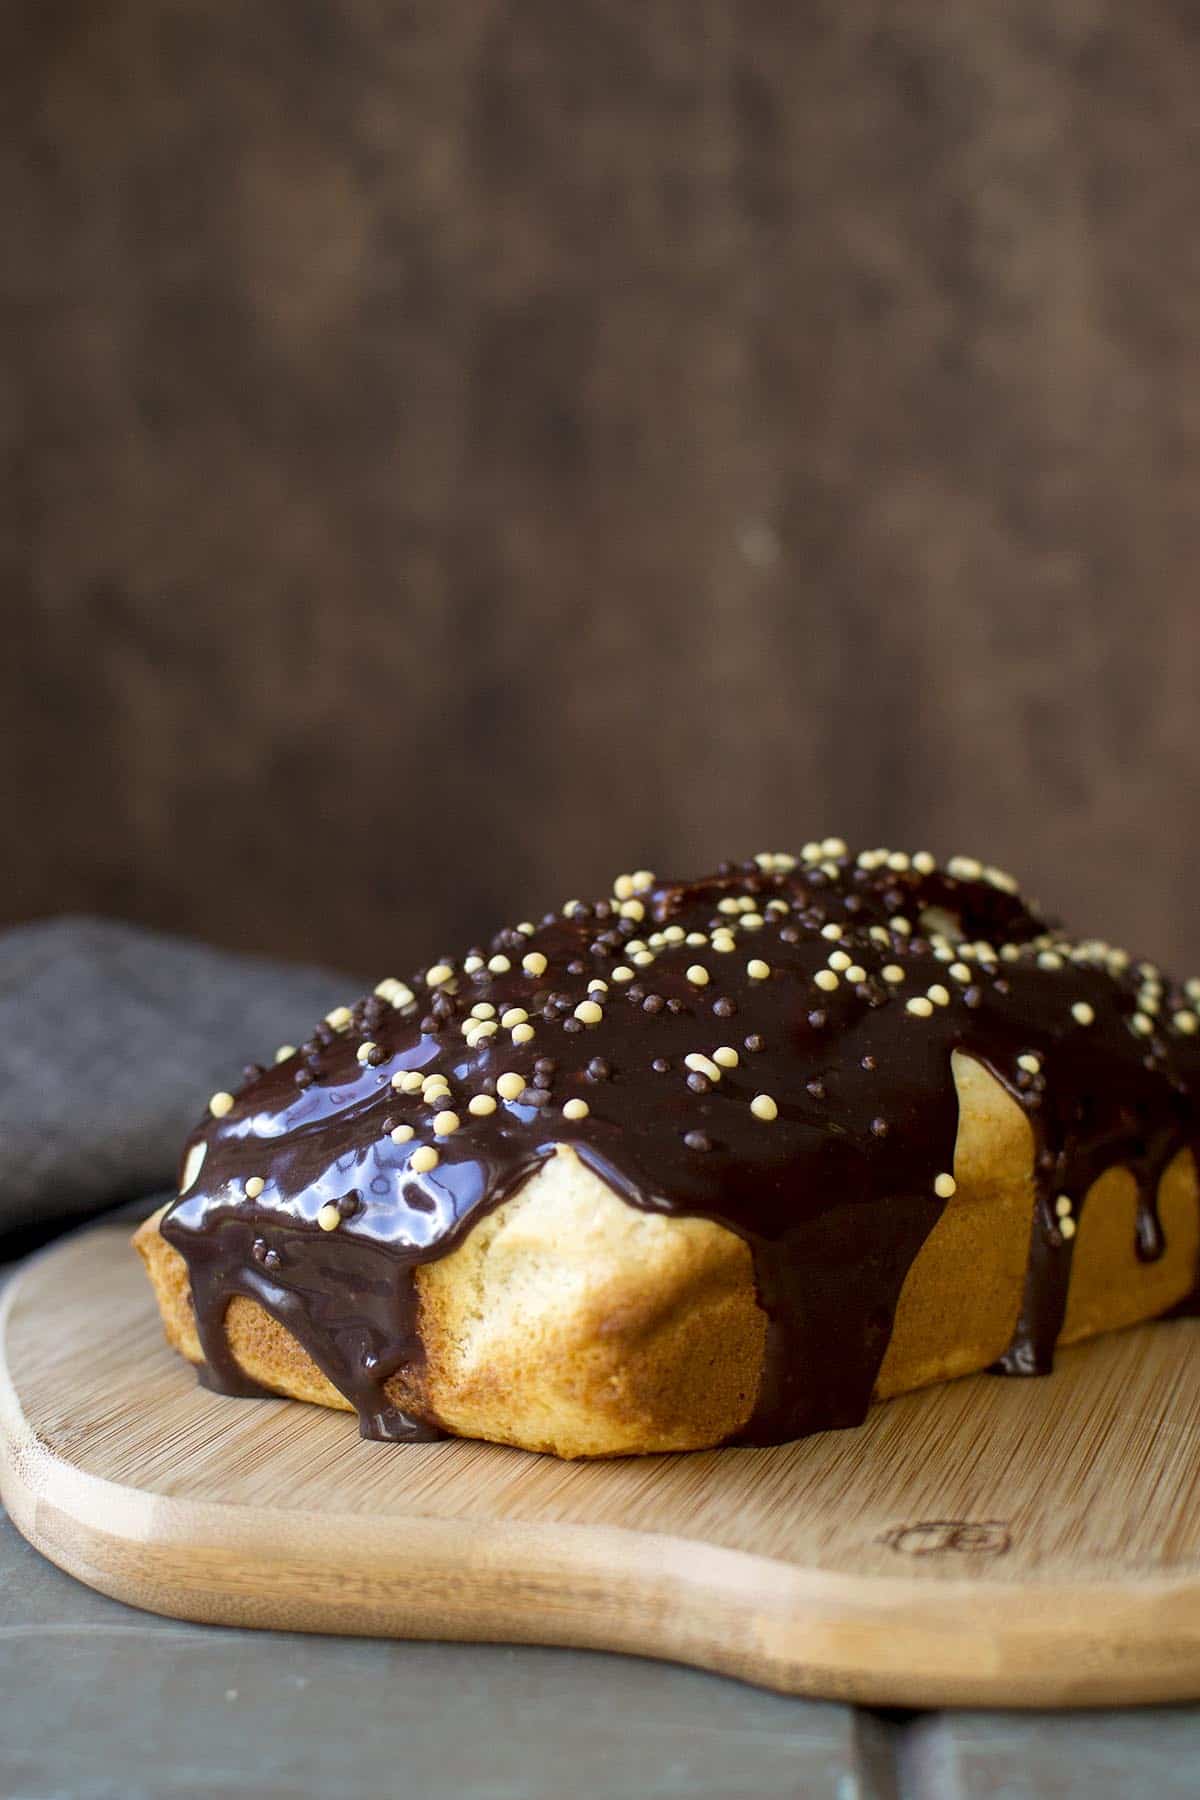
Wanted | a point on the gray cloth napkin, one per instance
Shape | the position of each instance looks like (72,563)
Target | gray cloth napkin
(111,1041)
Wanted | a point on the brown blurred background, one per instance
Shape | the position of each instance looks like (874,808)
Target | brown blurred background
(455,452)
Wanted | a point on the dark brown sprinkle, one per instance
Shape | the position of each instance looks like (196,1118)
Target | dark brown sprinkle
(636,992)
(603,909)
(348,1205)
(509,939)
(598,1069)
(818,878)
(879,1127)
(789,935)
(549,1012)
(325,1034)
(429,1025)
(550,918)
(653,1003)
(724,869)
(572,1025)
(627,928)
(816,1089)
(1024,1078)
(660,1065)
(972,996)
(696,1140)
(271,1259)
(724,1007)
(375,1057)
(868,1063)
(853,903)
(535,1096)
(481,977)
(674,1006)
(894,899)
(749,867)
(252,1071)
(442,1006)
(545,1065)
(818,1018)
(918,946)
(1000,985)
(258,1249)
(754,1042)
(698,1083)
(302,1078)
(389,1124)
(576,968)
(543,1078)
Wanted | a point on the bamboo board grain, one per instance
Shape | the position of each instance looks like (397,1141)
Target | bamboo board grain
(998,1542)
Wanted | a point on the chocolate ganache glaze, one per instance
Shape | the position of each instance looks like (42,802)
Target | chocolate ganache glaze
(769,1047)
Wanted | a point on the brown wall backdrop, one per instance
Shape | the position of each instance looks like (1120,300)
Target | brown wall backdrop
(454,452)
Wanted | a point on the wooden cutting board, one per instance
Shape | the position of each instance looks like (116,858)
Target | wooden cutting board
(1033,1543)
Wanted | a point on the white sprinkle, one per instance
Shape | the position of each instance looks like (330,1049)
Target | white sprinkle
(499,965)
(434,977)
(1186,1022)
(401,1134)
(752,921)
(898,861)
(673,934)
(576,1109)
(473,964)
(900,924)
(880,934)
(408,1081)
(960,971)
(510,1086)
(254,1187)
(728,905)
(757,969)
(938,994)
(220,1104)
(727,1056)
(339,1018)
(596,986)
(622,974)
(1082,1013)
(1049,960)
(622,887)
(826,980)
(832,932)
(644,958)
(1067,1227)
(364,1050)
(856,973)
(476,1031)
(698,975)
(446,1122)
(703,1065)
(892,972)
(722,942)
(923,863)
(481,1105)
(763,1107)
(284,1051)
(945,1187)
(920,1006)
(534,963)
(588,1013)
(837,959)
(521,1034)
(833,846)
(964,868)
(642,879)
(515,1015)
(485,1010)
(329,1218)
(1142,1024)
(423,1159)
(1062,1205)
(1031,1064)
(695,938)
(633,909)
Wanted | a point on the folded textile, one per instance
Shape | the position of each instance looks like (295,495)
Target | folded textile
(111,1040)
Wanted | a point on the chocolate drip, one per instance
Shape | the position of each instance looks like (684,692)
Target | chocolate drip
(800,982)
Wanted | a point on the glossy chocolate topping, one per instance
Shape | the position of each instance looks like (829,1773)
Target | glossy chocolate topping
(769,1047)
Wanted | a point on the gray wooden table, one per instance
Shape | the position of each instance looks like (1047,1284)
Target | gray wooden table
(100,1702)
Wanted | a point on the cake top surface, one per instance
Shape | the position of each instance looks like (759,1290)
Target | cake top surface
(769,1046)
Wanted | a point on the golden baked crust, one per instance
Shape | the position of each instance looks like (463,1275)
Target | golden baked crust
(570,1321)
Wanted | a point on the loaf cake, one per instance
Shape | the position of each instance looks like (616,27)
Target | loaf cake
(705,1162)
